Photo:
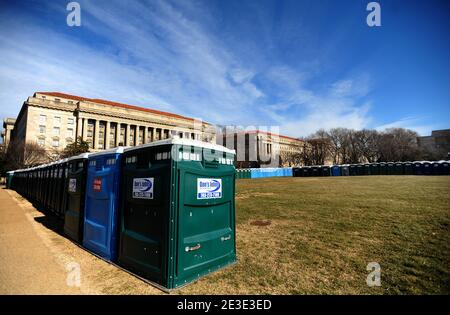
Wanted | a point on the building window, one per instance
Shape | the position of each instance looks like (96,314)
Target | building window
(43,96)
(57,100)
(57,120)
(56,131)
(70,102)
(41,142)
(55,143)
(70,121)
(70,132)
(41,129)
(42,119)
(89,133)
(69,141)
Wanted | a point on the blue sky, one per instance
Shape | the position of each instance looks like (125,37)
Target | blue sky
(299,65)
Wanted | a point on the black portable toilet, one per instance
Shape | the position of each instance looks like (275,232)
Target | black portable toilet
(383,168)
(398,170)
(76,190)
(390,168)
(427,168)
(417,165)
(345,170)
(408,168)
(367,169)
(445,167)
(177,210)
(353,170)
(306,171)
(374,168)
(297,172)
(436,168)
(326,170)
(315,171)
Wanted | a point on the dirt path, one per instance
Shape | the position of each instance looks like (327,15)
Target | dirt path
(36,259)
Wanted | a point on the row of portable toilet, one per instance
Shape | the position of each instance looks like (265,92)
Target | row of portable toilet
(164,210)
(264,172)
(389,168)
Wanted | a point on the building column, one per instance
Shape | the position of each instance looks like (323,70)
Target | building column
(136,135)
(85,127)
(127,135)
(145,135)
(117,134)
(107,131)
(96,133)
(152,134)
(79,127)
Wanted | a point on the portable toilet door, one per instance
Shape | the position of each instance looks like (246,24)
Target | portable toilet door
(76,189)
(10,175)
(366,169)
(417,168)
(177,211)
(345,170)
(306,171)
(399,168)
(296,172)
(427,168)
(102,203)
(336,170)
(445,168)
(408,168)
(353,170)
(374,168)
(436,168)
(383,168)
(390,166)
(326,170)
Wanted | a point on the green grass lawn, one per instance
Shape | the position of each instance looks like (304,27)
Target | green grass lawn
(324,232)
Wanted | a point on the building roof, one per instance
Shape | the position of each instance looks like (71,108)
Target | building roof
(116,104)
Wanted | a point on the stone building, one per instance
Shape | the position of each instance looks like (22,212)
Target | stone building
(8,126)
(436,146)
(256,148)
(54,120)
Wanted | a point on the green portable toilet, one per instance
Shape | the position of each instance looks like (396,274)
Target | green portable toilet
(9,178)
(399,168)
(177,210)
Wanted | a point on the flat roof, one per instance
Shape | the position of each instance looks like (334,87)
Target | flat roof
(116,104)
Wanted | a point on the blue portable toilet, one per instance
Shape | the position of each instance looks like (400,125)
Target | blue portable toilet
(102,203)
(336,170)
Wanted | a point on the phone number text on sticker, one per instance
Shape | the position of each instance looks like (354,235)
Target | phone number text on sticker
(143,188)
(209,188)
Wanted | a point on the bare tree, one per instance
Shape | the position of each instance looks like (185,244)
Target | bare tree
(20,155)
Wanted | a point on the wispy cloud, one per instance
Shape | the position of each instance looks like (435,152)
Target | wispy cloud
(413,123)
(166,55)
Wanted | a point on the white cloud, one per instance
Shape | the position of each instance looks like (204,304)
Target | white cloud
(413,123)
